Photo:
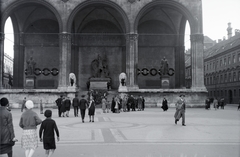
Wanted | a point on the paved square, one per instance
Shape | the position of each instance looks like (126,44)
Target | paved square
(149,133)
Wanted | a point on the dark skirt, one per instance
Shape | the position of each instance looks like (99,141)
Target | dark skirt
(5,148)
(49,143)
(91,111)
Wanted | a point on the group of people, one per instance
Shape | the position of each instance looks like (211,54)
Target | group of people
(126,103)
(64,105)
(216,103)
(28,122)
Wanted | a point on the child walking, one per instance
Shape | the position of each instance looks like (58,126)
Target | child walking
(47,128)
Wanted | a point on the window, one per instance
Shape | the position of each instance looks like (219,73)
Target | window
(220,63)
(225,78)
(230,77)
(234,76)
(221,79)
(225,61)
(229,60)
(234,59)
(210,66)
(239,57)
(239,76)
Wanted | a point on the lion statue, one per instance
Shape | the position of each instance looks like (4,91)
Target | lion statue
(122,79)
(72,79)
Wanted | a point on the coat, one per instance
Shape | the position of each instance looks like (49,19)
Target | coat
(181,110)
(6,129)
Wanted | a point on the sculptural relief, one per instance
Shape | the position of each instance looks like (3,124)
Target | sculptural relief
(99,67)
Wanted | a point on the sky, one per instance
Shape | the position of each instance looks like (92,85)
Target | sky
(216,16)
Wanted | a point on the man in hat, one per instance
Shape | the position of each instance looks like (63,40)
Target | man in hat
(180,110)
(83,105)
(75,105)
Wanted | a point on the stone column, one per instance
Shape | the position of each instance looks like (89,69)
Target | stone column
(65,58)
(179,67)
(19,61)
(132,60)
(197,62)
(1,59)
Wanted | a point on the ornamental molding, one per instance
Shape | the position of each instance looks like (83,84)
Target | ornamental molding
(64,1)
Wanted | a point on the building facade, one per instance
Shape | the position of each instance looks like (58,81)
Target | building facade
(8,71)
(132,36)
(222,69)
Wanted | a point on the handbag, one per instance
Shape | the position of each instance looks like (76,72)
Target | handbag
(11,143)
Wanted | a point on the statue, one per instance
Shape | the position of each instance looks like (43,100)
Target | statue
(164,66)
(99,67)
(30,66)
(122,79)
(72,79)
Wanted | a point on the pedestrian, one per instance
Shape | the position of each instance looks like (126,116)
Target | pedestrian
(222,103)
(91,109)
(117,104)
(124,103)
(113,104)
(139,102)
(67,104)
(7,137)
(104,104)
(63,108)
(59,105)
(207,104)
(47,128)
(239,104)
(83,104)
(23,104)
(28,122)
(143,103)
(215,103)
(41,107)
(180,110)
(130,102)
(75,104)
(164,104)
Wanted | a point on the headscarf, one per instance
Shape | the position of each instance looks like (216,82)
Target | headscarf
(29,104)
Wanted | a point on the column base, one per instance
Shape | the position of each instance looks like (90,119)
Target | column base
(134,88)
(203,89)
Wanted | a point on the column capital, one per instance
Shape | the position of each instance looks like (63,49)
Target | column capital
(197,37)
(65,36)
(132,36)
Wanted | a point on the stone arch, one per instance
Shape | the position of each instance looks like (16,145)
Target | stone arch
(170,4)
(17,4)
(108,3)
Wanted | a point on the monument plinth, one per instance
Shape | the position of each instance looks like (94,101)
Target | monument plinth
(30,82)
(99,83)
(165,82)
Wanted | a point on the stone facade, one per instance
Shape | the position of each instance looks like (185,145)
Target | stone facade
(65,36)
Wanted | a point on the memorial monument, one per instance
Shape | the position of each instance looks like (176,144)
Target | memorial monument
(164,73)
(100,75)
(30,77)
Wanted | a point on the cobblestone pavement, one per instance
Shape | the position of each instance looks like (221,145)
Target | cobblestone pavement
(149,133)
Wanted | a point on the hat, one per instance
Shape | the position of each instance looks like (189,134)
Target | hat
(48,113)
(182,95)
(4,101)
(29,104)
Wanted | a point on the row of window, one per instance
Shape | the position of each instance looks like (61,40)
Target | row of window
(222,78)
(230,59)
(224,93)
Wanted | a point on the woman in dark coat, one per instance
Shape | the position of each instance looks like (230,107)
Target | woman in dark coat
(165,104)
(91,109)
(6,128)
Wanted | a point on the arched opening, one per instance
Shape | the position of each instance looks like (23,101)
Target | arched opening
(98,31)
(36,31)
(8,54)
(162,36)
